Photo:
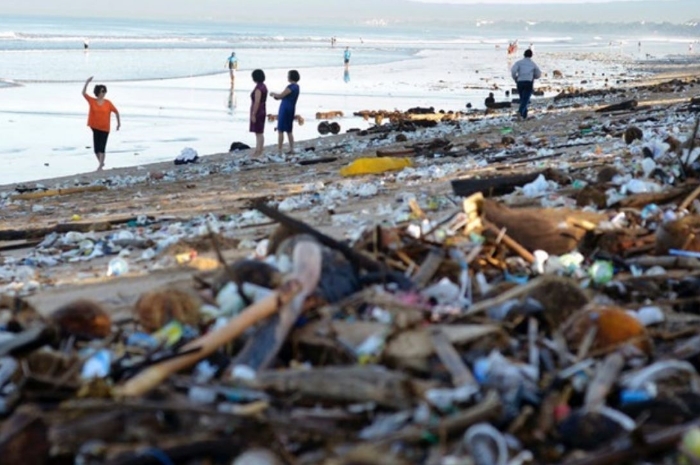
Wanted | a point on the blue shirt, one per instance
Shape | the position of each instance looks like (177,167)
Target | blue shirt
(232,62)
(347,54)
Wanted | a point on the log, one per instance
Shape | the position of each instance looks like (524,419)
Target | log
(493,186)
(316,161)
(28,234)
(396,152)
(626,105)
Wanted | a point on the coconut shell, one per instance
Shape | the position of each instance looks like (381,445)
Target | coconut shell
(682,234)
(155,309)
(560,297)
(83,318)
(614,326)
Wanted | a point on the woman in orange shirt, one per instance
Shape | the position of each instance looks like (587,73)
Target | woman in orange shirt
(99,119)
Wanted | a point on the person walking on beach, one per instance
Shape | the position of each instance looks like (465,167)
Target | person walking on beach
(346,57)
(258,111)
(287,111)
(524,73)
(232,63)
(99,118)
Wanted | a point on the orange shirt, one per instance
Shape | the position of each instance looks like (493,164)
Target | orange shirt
(100,115)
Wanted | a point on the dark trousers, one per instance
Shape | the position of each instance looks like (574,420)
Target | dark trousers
(99,140)
(525,91)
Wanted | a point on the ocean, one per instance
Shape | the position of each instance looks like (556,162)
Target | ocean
(170,83)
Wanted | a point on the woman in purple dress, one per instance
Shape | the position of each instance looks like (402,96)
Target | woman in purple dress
(258,111)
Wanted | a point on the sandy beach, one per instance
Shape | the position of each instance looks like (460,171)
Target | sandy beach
(223,185)
(608,155)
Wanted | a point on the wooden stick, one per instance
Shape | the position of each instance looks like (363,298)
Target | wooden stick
(307,270)
(512,293)
(511,243)
(448,355)
(688,200)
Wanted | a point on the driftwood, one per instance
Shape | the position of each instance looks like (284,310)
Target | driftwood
(316,161)
(29,340)
(626,105)
(493,186)
(370,383)
(659,198)
(396,152)
(19,244)
(39,233)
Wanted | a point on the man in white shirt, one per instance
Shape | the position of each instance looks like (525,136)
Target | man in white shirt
(524,73)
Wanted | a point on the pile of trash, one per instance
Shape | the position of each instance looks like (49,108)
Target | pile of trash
(549,316)
(463,339)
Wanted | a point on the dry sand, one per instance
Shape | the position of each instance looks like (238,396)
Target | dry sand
(204,188)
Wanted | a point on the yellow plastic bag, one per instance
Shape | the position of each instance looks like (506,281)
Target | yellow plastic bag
(375,165)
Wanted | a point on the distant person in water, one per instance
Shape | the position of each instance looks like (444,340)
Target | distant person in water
(258,111)
(489,101)
(346,57)
(287,111)
(524,73)
(232,63)
(99,118)
(86,44)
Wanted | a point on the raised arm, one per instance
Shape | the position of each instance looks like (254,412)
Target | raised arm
(85,86)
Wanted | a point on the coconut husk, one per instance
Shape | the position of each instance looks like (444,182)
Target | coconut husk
(554,231)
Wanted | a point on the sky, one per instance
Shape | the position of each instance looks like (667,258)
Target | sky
(477,2)
(306,11)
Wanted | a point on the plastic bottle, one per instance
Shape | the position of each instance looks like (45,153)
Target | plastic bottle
(601,272)
(117,267)
(375,165)
(98,365)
